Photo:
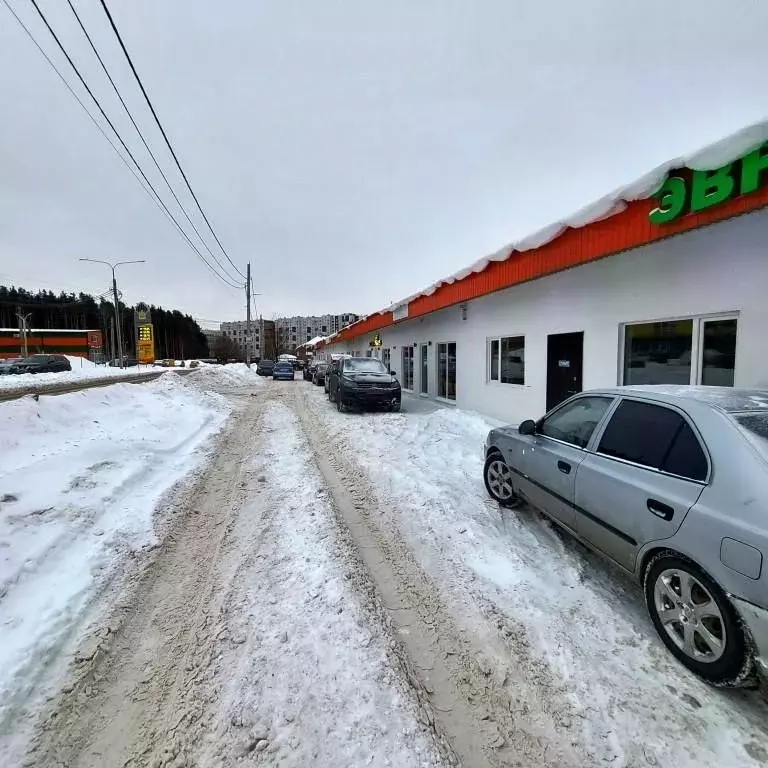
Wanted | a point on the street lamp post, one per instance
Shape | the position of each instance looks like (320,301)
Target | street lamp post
(113,267)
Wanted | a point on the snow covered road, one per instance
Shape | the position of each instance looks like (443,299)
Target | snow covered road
(336,590)
(582,666)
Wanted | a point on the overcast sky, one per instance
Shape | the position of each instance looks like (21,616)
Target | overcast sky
(354,151)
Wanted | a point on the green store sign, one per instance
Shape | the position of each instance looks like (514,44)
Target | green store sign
(708,188)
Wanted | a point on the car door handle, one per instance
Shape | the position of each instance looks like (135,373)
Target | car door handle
(564,467)
(658,508)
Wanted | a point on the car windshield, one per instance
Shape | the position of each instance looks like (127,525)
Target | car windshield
(284,366)
(364,364)
(755,426)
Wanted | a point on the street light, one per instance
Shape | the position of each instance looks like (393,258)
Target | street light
(113,267)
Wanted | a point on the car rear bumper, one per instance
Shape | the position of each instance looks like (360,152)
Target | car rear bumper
(756,619)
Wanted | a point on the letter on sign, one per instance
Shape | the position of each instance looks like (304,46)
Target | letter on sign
(710,188)
(752,167)
(671,201)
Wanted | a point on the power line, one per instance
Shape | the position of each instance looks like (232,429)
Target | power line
(80,102)
(143,140)
(165,136)
(111,125)
(122,142)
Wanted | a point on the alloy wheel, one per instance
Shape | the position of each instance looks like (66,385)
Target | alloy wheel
(500,480)
(690,615)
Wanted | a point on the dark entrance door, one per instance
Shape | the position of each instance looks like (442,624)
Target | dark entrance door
(564,365)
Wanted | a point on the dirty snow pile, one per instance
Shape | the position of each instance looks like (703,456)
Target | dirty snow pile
(231,375)
(82,369)
(80,477)
(619,693)
(308,681)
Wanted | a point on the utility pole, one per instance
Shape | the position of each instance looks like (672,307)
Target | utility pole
(23,323)
(113,267)
(248,315)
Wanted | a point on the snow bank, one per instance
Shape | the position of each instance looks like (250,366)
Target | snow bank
(310,676)
(232,375)
(633,704)
(80,476)
(81,369)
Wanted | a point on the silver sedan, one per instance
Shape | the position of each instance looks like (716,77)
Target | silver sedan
(671,483)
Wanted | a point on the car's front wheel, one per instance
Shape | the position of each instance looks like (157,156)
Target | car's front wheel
(696,621)
(498,481)
(340,401)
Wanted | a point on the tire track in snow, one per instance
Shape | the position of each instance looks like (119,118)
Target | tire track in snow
(475,706)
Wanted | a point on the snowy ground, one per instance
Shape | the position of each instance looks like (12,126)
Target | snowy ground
(81,370)
(307,678)
(626,701)
(80,475)
(333,590)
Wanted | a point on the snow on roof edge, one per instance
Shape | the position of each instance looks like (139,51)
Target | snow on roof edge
(704,159)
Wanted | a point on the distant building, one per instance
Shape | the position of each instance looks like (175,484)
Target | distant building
(263,342)
(294,331)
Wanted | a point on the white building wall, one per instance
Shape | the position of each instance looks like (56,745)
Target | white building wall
(719,269)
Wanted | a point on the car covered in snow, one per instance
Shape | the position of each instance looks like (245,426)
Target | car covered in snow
(283,371)
(670,483)
(363,382)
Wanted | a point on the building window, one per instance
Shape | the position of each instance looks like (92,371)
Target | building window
(698,350)
(424,377)
(506,359)
(325,328)
(407,373)
(446,370)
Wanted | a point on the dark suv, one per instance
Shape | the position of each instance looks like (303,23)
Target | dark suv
(363,382)
(43,364)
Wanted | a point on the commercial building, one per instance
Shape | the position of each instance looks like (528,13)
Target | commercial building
(76,343)
(663,281)
(294,331)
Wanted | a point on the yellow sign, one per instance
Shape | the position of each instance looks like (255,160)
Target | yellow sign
(376,341)
(145,344)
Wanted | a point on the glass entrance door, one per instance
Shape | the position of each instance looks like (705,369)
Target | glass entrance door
(424,373)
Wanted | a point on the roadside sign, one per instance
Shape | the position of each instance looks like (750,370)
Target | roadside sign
(145,344)
(95,340)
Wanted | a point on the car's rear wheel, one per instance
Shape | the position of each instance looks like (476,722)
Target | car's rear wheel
(696,621)
(498,481)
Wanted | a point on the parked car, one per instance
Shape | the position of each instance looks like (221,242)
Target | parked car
(318,375)
(10,365)
(43,364)
(671,483)
(363,382)
(283,371)
(128,362)
(265,367)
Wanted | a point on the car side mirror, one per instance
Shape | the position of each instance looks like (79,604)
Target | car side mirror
(394,373)
(528,427)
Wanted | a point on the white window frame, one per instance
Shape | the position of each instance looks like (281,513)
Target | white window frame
(446,400)
(697,337)
(402,367)
(488,360)
(422,347)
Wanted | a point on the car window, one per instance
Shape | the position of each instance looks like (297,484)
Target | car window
(686,457)
(575,422)
(654,436)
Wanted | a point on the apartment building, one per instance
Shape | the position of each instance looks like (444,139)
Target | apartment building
(294,331)
(263,333)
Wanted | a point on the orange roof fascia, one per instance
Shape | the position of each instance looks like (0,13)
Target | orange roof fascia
(626,230)
(622,232)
